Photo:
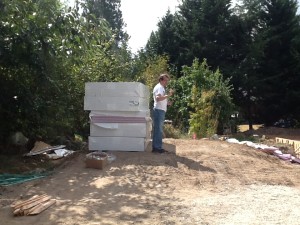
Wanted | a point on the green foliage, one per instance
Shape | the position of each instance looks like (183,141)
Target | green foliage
(267,74)
(210,100)
(201,100)
(199,29)
(171,132)
(155,67)
(47,53)
(178,112)
(257,43)
(277,73)
(149,75)
(204,121)
(110,10)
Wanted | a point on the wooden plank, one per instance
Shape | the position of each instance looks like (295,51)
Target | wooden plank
(17,212)
(32,204)
(284,141)
(29,201)
(32,199)
(41,207)
(19,202)
(291,142)
(297,148)
(281,140)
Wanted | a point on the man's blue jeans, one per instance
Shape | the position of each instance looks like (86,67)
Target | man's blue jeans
(158,124)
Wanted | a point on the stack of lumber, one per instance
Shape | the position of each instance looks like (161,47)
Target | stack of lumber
(32,206)
(294,143)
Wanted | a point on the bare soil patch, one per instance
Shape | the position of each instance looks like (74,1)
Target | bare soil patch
(245,127)
(199,182)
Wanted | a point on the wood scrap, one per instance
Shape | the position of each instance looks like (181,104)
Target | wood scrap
(294,143)
(40,208)
(18,202)
(297,148)
(39,145)
(32,199)
(44,150)
(17,212)
(290,142)
(32,206)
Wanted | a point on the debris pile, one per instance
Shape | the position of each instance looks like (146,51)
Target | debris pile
(53,152)
(271,149)
(32,206)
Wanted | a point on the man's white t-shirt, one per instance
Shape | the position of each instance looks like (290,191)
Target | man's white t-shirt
(159,89)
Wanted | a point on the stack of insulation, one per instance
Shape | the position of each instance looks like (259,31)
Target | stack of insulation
(119,116)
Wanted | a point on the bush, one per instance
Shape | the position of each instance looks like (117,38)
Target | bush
(171,132)
(211,103)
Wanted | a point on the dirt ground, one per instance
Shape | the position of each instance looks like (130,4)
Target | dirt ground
(199,182)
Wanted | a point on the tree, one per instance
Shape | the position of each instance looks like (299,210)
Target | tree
(44,62)
(211,100)
(272,57)
(281,32)
(111,12)
(200,29)
(248,54)
(202,100)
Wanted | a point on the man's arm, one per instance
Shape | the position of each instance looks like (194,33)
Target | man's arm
(160,97)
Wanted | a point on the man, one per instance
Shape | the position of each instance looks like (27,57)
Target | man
(159,111)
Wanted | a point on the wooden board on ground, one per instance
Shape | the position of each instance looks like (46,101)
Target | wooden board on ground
(32,206)
(40,208)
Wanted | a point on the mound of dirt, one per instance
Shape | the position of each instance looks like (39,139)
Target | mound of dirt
(198,182)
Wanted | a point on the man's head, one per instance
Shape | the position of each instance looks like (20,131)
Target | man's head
(163,79)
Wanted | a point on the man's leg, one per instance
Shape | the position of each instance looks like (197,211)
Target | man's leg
(158,123)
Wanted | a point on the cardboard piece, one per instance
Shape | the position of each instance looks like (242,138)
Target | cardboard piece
(96,160)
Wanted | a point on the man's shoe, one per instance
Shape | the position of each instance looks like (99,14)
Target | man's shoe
(155,150)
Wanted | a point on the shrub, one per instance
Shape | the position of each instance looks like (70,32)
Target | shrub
(171,132)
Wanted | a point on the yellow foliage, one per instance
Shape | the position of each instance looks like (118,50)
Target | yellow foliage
(154,69)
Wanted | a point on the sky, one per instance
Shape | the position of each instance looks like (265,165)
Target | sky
(142,16)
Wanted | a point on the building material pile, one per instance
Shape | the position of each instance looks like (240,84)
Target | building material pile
(32,206)
(52,152)
(119,116)
(294,143)
(271,149)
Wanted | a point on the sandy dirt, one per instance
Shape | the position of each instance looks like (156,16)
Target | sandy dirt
(199,182)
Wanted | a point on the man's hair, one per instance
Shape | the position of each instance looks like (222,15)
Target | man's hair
(162,76)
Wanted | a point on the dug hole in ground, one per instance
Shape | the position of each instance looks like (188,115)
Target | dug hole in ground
(200,182)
